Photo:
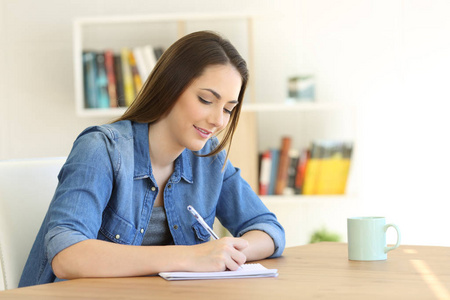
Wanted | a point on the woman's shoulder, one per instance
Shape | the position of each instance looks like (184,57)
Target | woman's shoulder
(113,131)
(110,141)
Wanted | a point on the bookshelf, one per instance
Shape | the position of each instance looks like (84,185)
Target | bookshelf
(114,32)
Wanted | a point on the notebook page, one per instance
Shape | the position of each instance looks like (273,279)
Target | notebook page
(245,271)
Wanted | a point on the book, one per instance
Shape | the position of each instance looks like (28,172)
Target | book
(102,82)
(245,271)
(344,168)
(264,176)
(119,81)
(275,154)
(142,67)
(158,52)
(327,169)
(330,163)
(301,170)
(128,85)
(294,156)
(283,165)
(90,75)
(134,73)
(149,57)
(110,74)
(312,171)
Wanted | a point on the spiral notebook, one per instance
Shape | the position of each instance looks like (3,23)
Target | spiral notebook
(245,271)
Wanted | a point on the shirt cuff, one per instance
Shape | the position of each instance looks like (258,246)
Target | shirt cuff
(59,238)
(276,233)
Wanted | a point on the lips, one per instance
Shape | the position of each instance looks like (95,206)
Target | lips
(203,132)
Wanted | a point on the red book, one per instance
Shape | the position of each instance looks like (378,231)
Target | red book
(112,90)
(265,170)
(301,171)
(283,166)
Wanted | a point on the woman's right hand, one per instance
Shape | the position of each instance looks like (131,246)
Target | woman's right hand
(218,255)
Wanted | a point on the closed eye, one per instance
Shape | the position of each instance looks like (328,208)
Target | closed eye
(228,111)
(203,100)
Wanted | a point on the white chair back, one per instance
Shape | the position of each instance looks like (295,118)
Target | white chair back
(26,189)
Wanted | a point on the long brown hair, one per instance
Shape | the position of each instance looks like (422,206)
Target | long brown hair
(179,65)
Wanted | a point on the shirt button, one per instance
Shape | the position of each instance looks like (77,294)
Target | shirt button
(117,236)
(175,227)
(142,230)
(153,189)
(169,186)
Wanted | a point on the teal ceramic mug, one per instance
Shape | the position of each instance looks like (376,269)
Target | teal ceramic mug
(367,238)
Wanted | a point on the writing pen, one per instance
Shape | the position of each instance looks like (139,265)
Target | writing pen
(202,222)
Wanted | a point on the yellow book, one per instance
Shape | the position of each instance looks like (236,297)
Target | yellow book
(329,181)
(137,81)
(311,175)
(344,168)
(343,176)
(128,85)
(334,169)
(313,168)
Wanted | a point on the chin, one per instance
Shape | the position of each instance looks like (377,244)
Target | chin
(196,146)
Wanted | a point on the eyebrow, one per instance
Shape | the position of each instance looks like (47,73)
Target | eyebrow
(217,95)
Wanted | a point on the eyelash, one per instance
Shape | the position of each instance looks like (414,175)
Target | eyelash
(207,102)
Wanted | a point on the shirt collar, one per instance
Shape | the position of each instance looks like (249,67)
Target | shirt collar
(183,167)
(142,165)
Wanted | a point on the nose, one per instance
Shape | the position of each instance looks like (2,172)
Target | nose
(216,118)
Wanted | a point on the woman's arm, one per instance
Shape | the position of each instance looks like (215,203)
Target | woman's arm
(95,258)
(260,244)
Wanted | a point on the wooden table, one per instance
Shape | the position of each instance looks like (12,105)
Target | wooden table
(305,272)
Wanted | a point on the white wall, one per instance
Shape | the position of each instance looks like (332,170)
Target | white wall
(3,102)
(389,56)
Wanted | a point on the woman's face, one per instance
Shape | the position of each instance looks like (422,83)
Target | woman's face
(204,108)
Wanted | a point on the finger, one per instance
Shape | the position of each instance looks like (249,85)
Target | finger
(239,257)
(232,265)
(240,244)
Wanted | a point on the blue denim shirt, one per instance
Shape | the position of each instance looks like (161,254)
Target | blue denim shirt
(106,191)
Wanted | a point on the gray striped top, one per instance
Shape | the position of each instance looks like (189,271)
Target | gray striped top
(158,232)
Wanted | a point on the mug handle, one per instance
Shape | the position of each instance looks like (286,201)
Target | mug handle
(387,249)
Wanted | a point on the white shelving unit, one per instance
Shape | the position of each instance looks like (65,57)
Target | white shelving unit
(115,32)
(299,107)
(256,107)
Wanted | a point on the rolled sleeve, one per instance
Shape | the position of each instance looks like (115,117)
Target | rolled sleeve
(240,210)
(276,233)
(59,238)
(85,185)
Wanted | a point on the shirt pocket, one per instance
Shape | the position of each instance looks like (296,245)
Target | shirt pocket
(116,229)
(201,234)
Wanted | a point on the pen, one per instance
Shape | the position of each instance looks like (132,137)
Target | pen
(202,222)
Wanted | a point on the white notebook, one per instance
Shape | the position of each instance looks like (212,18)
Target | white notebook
(245,271)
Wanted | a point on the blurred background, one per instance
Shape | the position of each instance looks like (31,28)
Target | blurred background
(388,58)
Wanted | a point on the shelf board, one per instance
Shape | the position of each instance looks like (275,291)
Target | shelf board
(300,106)
(102,112)
(298,199)
(163,18)
(258,107)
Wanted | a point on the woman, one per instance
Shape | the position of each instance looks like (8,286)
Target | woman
(120,205)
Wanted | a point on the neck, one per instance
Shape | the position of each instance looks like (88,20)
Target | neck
(162,152)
